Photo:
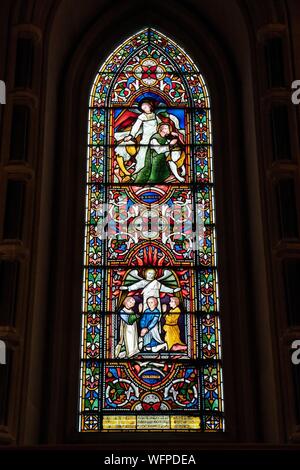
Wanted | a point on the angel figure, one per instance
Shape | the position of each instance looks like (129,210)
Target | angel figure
(150,286)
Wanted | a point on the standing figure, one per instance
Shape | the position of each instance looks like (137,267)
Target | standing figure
(171,327)
(145,125)
(128,343)
(149,324)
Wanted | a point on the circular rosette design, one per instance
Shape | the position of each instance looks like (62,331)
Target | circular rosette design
(181,244)
(183,392)
(120,392)
(120,245)
(150,224)
(149,72)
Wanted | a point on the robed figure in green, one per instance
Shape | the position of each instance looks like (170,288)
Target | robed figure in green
(158,161)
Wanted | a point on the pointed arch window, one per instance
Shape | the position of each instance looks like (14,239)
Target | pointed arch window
(150,340)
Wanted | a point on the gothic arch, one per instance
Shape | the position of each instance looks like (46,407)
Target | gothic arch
(223,84)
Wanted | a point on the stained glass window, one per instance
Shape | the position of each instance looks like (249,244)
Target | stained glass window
(150,341)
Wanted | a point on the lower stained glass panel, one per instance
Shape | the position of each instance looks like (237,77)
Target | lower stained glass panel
(151,387)
(150,395)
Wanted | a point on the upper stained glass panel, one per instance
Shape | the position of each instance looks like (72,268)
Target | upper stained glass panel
(149,62)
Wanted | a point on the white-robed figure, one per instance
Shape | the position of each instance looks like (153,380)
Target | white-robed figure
(145,125)
(128,342)
(150,286)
